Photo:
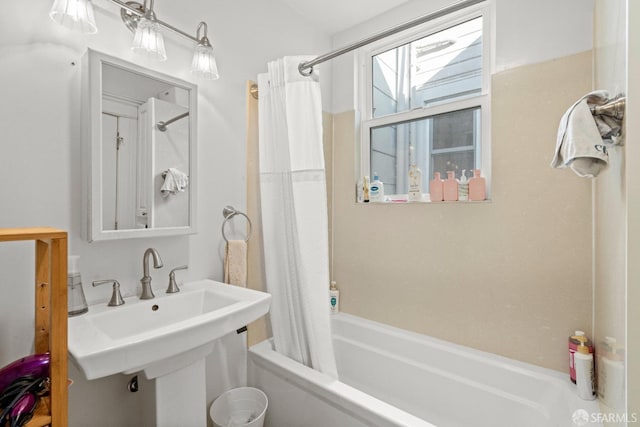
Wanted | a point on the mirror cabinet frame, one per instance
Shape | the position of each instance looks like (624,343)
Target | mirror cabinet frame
(92,73)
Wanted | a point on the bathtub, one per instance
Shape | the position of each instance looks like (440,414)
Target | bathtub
(391,378)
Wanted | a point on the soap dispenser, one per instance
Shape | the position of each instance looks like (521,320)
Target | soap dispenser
(585,378)
(463,187)
(415,179)
(76,302)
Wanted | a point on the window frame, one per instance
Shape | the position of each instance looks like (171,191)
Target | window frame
(481,100)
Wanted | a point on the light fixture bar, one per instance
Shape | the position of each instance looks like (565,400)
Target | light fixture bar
(160,22)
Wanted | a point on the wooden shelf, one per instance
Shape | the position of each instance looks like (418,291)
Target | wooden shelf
(50,316)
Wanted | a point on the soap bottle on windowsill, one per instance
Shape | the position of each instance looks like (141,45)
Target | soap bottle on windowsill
(415,179)
(477,187)
(450,187)
(463,187)
(436,188)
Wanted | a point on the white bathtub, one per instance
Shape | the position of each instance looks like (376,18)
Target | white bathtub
(390,377)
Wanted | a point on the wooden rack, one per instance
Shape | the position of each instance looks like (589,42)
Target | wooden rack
(50,316)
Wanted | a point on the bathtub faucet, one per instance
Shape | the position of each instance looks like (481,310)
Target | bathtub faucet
(147,292)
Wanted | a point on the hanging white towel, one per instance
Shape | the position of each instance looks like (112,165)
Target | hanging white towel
(235,263)
(174,181)
(580,144)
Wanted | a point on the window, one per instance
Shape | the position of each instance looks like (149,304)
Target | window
(427,90)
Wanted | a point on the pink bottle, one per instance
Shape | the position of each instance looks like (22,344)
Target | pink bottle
(450,187)
(436,189)
(477,187)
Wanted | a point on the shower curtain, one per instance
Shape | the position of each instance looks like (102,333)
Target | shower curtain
(294,213)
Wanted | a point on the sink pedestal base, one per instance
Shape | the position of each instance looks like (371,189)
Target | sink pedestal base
(178,398)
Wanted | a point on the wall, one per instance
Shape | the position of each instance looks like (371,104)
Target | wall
(617,205)
(40,157)
(633,200)
(610,198)
(511,276)
(517,28)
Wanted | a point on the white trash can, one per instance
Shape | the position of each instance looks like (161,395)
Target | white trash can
(239,407)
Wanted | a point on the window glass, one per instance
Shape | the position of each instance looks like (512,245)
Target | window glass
(443,142)
(442,66)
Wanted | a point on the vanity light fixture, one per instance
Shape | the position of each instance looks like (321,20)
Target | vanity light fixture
(75,15)
(148,40)
(204,61)
(141,19)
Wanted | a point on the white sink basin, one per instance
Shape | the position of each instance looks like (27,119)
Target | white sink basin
(162,334)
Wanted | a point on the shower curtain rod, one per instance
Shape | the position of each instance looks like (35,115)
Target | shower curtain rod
(162,126)
(306,68)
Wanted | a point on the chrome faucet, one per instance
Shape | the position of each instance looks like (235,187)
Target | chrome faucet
(147,292)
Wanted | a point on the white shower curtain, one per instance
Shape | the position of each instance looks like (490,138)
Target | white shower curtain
(294,213)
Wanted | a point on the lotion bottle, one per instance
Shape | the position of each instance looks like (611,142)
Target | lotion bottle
(376,191)
(415,179)
(436,189)
(477,187)
(451,187)
(585,378)
(334,298)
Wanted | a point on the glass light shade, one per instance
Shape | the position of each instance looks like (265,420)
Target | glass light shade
(75,15)
(148,40)
(204,62)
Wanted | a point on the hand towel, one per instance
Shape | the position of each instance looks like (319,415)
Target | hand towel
(174,181)
(579,143)
(235,263)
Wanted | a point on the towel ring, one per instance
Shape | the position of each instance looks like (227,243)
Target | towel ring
(229,212)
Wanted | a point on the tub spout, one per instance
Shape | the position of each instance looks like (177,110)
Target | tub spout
(147,292)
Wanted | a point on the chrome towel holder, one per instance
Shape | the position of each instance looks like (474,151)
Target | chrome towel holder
(229,212)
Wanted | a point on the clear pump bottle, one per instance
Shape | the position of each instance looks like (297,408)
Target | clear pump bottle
(77,303)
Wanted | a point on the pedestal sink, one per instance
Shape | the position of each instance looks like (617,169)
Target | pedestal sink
(167,338)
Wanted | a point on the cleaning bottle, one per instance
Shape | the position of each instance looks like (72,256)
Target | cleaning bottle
(76,302)
(376,191)
(450,187)
(334,298)
(415,179)
(585,378)
(436,189)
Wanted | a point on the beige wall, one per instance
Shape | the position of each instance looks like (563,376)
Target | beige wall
(511,276)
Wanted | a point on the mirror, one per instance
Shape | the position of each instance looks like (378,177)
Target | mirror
(140,150)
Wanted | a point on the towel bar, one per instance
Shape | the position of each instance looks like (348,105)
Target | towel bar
(229,212)
(614,108)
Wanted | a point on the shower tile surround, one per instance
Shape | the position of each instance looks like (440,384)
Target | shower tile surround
(511,276)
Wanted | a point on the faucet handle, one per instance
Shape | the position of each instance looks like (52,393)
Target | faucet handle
(116,296)
(173,286)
